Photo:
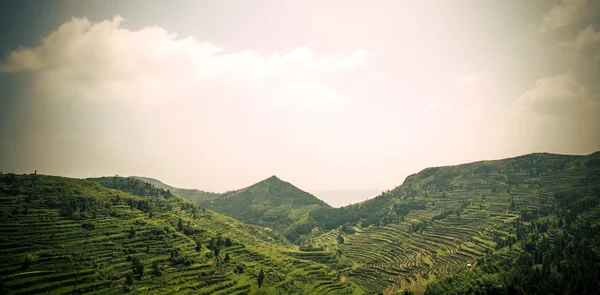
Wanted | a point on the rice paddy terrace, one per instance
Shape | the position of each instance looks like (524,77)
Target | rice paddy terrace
(470,212)
(71,236)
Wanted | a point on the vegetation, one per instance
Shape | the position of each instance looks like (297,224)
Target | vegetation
(271,203)
(193,195)
(525,225)
(560,253)
(71,236)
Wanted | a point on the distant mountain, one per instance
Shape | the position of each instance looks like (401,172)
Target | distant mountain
(273,203)
(194,195)
(132,186)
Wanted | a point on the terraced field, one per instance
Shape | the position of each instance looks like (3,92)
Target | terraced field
(480,210)
(71,236)
(43,251)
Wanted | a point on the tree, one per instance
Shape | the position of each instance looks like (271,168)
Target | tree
(198,246)
(340,239)
(228,242)
(217,250)
(131,232)
(129,278)
(88,226)
(156,268)
(220,240)
(137,267)
(212,244)
(339,252)
(261,278)
(29,260)
(239,268)
(180,225)
(227,258)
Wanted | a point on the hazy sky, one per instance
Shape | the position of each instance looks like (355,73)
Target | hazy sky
(328,95)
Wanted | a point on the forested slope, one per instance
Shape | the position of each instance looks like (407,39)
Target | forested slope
(72,236)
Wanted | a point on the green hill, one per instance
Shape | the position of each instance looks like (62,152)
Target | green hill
(272,203)
(525,225)
(193,195)
(133,186)
(72,236)
(443,218)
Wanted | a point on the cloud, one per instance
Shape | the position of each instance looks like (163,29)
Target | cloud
(555,95)
(564,14)
(103,61)
(467,79)
(586,38)
(558,114)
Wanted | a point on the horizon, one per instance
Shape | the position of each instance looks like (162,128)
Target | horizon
(332,197)
(213,96)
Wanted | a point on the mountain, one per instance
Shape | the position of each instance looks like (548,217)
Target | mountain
(484,213)
(74,236)
(132,185)
(272,203)
(523,225)
(193,195)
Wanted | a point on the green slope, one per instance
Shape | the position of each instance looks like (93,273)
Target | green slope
(193,195)
(272,203)
(73,236)
(132,186)
(62,235)
(441,219)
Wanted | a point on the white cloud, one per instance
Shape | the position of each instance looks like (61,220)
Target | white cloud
(467,79)
(559,114)
(587,37)
(102,61)
(564,14)
(555,95)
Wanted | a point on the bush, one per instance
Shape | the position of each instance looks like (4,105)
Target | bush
(239,269)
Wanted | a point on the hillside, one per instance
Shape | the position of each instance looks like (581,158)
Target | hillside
(132,186)
(526,225)
(193,195)
(272,203)
(441,219)
(72,236)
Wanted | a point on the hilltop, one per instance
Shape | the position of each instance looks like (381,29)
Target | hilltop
(272,203)
(193,195)
(71,236)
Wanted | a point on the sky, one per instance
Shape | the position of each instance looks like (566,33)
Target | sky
(332,96)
